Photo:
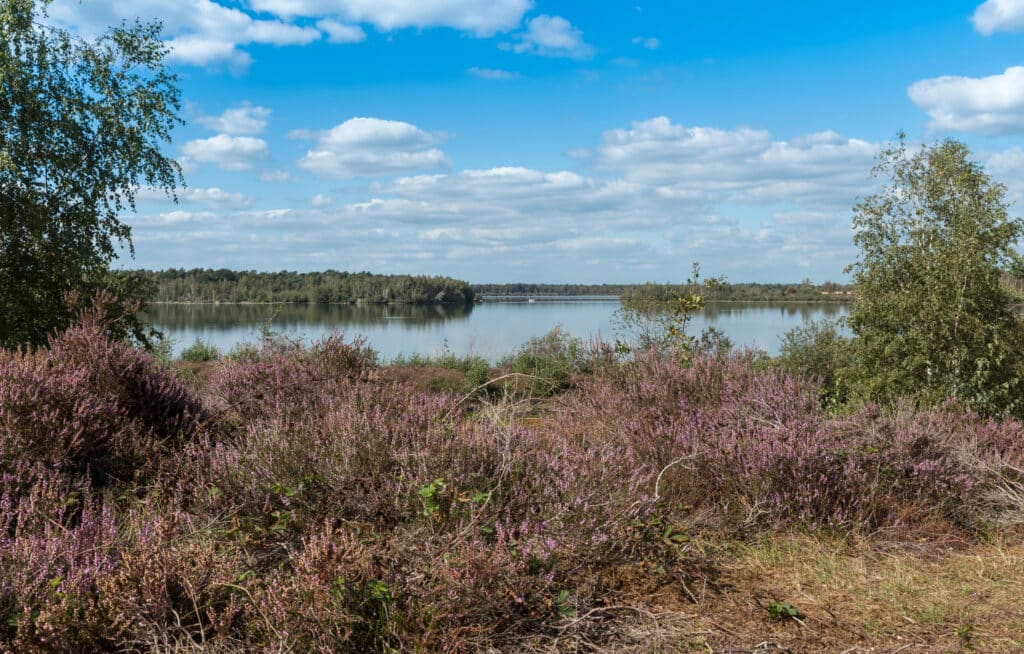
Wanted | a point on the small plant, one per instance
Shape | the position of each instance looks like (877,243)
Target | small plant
(965,635)
(430,496)
(200,351)
(783,611)
(563,605)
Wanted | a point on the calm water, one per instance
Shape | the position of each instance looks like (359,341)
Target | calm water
(491,329)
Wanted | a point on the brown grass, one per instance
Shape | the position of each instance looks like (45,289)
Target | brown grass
(852,597)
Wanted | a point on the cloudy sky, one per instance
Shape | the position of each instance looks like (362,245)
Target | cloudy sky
(557,141)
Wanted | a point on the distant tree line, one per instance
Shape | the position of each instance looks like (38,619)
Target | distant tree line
(710,289)
(719,290)
(328,287)
(521,289)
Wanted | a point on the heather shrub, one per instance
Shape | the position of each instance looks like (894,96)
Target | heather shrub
(283,378)
(58,541)
(177,581)
(89,403)
(346,605)
(752,446)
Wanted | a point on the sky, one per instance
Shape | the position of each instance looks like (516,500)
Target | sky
(546,141)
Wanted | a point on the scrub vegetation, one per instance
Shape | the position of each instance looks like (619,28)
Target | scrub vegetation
(664,493)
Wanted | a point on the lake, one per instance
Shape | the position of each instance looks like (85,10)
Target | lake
(491,329)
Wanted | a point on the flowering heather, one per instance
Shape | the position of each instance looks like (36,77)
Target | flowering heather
(89,403)
(308,504)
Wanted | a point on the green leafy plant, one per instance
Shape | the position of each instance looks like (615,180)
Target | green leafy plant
(965,635)
(658,318)
(200,351)
(563,605)
(430,496)
(782,611)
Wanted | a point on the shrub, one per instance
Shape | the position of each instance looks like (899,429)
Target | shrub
(284,378)
(200,351)
(89,403)
(550,359)
(58,540)
(819,351)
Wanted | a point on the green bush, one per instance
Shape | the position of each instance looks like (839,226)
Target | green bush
(200,351)
(818,350)
(550,360)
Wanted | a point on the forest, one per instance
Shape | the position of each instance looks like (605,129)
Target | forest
(201,285)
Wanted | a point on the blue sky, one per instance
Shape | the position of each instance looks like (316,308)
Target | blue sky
(532,140)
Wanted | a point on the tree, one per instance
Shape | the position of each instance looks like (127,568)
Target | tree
(82,123)
(931,319)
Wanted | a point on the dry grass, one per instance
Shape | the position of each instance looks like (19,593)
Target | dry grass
(852,597)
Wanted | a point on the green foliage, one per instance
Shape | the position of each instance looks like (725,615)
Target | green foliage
(931,319)
(782,611)
(659,318)
(819,350)
(550,360)
(328,287)
(200,351)
(430,496)
(82,123)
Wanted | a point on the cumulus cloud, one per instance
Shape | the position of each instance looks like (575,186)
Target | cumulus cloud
(492,73)
(552,36)
(245,120)
(999,16)
(481,17)
(320,201)
(746,165)
(988,105)
(741,201)
(276,176)
(226,151)
(200,32)
(371,147)
(340,32)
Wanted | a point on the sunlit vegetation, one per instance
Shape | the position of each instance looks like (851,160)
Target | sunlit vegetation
(329,287)
(303,498)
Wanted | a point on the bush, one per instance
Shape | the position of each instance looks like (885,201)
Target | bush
(551,360)
(89,403)
(343,512)
(200,351)
(819,351)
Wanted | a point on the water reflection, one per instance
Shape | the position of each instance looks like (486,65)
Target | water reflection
(791,310)
(288,317)
(491,329)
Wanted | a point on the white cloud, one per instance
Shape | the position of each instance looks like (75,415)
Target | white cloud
(320,201)
(741,201)
(215,197)
(481,17)
(276,176)
(1007,167)
(245,120)
(744,165)
(340,32)
(227,152)
(492,73)
(988,105)
(648,42)
(552,36)
(370,147)
(999,16)
(200,32)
